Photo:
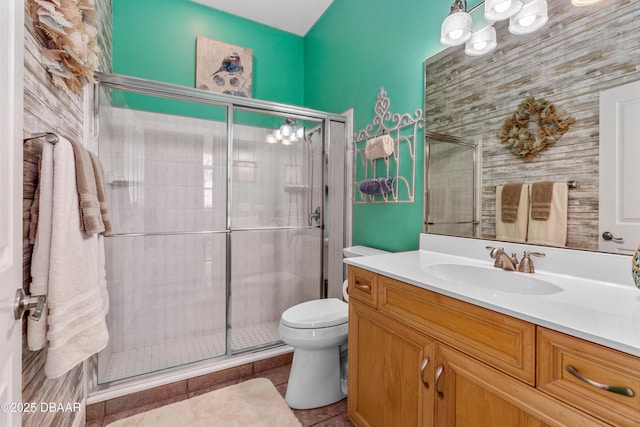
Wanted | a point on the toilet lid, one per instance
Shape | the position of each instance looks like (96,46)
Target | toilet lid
(320,313)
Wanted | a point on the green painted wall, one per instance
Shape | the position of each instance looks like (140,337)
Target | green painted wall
(156,39)
(356,47)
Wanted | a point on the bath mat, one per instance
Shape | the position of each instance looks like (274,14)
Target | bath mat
(253,403)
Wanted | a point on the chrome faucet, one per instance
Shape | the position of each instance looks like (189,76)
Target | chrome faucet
(503,260)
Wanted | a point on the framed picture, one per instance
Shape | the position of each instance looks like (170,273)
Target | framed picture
(224,68)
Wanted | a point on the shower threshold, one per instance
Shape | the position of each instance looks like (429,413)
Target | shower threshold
(144,360)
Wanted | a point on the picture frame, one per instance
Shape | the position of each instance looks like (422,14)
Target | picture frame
(224,68)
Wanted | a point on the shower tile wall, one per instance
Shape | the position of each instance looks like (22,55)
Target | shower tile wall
(167,175)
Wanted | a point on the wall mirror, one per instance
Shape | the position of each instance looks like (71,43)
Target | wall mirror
(579,54)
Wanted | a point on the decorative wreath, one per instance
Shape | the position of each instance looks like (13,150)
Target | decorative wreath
(66,29)
(526,143)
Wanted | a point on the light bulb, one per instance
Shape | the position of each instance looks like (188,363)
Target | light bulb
(278,134)
(285,130)
(286,141)
(456,34)
(532,17)
(526,21)
(481,42)
(479,45)
(581,3)
(497,10)
(456,29)
(300,133)
(271,139)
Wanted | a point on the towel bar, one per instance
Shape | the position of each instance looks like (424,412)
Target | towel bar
(570,184)
(50,137)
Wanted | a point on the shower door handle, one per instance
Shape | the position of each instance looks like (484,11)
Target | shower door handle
(314,215)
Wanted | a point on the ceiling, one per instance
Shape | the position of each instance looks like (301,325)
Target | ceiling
(293,16)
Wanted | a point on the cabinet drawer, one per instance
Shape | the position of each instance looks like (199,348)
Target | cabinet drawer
(499,340)
(606,366)
(362,286)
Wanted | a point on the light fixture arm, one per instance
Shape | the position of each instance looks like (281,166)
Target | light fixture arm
(476,7)
(459,6)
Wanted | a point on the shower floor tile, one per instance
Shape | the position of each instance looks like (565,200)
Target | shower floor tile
(142,360)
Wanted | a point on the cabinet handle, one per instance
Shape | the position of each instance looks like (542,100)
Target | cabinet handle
(424,364)
(625,391)
(362,286)
(439,371)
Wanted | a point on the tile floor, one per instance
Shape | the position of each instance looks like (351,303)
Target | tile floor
(275,369)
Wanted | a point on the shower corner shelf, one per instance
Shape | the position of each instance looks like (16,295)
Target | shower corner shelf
(400,166)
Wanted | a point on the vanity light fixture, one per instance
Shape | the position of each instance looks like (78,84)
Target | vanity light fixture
(286,134)
(524,17)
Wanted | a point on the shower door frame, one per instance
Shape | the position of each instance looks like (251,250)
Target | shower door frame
(230,104)
(475,222)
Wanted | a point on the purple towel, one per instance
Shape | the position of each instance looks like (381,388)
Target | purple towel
(376,186)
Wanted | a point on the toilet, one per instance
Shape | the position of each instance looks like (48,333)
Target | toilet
(317,330)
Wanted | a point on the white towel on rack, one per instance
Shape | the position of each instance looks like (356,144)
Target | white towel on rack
(72,275)
(552,231)
(37,330)
(379,147)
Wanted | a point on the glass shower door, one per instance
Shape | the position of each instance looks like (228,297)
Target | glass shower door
(276,236)
(166,259)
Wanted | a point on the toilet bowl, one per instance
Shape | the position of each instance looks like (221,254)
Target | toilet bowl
(318,332)
(316,329)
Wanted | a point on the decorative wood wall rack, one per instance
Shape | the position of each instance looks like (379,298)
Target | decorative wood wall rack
(400,166)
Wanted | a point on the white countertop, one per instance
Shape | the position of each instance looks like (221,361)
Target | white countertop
(598,301)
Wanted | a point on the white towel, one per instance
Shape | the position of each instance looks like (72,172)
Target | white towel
(553,231)
(514,231)
(379,147)
(73,275)
(37,330)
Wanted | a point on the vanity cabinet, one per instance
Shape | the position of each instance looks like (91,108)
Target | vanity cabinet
(419,358)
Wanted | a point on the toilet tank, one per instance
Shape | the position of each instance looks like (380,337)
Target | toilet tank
(355,251)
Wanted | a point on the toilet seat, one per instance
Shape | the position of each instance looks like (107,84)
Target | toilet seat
(322,313)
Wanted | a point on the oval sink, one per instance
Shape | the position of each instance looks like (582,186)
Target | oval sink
(493,278)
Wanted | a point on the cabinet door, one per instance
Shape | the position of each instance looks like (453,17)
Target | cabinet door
(390,371)
(470,393)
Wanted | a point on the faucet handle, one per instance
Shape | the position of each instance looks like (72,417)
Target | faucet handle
(526,264)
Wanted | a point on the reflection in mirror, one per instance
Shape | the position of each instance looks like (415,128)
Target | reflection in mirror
(451,186)
(469,98)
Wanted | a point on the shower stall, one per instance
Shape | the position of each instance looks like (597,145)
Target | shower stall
(217,226)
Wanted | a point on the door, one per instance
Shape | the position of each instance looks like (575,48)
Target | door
(276,225)
(390,371)
(11,30)
(619,171)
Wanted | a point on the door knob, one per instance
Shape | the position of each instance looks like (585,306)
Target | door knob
(24,302)
(607,235)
